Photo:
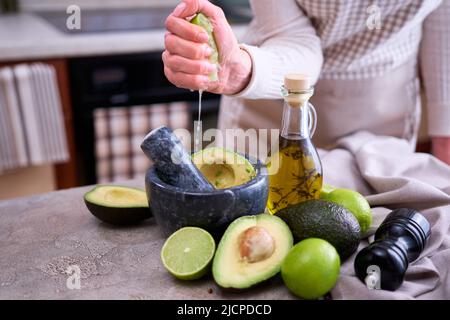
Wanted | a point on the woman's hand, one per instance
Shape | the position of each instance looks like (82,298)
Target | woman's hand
(441,148)
(187,51)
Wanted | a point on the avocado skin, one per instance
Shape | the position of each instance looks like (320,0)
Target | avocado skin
(118,216)
(115,214)
(325,220)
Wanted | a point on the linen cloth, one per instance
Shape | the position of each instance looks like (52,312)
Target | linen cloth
(391,175)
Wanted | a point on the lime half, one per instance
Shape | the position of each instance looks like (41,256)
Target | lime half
(188,252)
(201,20)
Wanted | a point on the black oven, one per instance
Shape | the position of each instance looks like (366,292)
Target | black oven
(119,81)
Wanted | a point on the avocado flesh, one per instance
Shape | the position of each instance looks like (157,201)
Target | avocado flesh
(118,205)
(230,270)
(223,168)
(325,220)
(117,196)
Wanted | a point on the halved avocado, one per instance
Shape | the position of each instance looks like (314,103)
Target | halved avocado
(251,250)
(118,205)
(223,168)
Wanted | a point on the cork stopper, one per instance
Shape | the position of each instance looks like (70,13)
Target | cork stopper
(297,82)
(297,89)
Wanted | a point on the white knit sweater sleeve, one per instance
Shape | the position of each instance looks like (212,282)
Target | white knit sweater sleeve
(435,67)
(280,40)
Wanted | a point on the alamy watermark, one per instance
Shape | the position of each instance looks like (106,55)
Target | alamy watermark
(373,278)
(74,279)
(73,21)
(373,21)
(257,144)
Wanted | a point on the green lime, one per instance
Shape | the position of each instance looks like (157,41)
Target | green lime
(201,20)
(326,189)
(355,203)
(188,252)
(311,268)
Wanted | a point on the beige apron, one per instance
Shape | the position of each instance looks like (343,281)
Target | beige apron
(387,105)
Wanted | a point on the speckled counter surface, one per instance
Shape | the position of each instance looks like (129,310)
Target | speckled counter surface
(41,236)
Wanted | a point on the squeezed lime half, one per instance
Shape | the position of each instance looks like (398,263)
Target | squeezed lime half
(201,20)
(188,252)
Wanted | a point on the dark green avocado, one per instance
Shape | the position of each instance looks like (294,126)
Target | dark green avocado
(118,205)
(325,220)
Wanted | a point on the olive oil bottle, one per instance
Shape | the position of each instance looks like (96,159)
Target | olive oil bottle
(295,170)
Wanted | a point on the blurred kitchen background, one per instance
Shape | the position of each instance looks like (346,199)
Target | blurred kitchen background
(75,104)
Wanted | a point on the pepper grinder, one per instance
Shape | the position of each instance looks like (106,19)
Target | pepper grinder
(398,241)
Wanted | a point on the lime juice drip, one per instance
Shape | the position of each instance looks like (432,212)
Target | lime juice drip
(198,124)
(200,93)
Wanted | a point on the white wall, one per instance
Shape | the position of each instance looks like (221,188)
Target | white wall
(33,5)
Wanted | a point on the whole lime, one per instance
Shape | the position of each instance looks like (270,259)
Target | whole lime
(311,268)
(326,189)
(355,203)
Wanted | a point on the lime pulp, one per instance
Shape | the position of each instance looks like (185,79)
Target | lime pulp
(187,253)
(201,20)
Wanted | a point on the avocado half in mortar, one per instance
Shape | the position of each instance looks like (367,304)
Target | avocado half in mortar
(251,250)
(223,168)
(117,204)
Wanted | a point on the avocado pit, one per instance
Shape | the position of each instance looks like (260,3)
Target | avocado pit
(256,244)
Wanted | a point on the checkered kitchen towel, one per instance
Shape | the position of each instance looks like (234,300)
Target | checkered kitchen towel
(31,117)
(119,133)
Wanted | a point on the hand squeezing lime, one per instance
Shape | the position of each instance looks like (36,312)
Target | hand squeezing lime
(201,20)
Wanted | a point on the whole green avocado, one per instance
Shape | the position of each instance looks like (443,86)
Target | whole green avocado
(325,220)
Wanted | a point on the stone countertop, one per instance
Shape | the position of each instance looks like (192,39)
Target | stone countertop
(41,236)
(25,36)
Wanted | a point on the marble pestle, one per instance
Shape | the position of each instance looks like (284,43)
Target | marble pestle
(172,162)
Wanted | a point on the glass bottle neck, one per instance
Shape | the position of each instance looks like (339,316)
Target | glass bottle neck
(295,123)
